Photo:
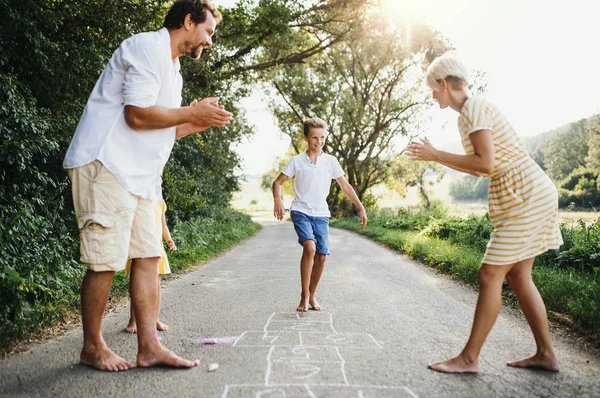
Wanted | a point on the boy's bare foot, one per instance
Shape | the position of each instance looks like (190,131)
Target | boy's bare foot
(161,326)
(455,365)
(314,305)
(131,327)
(303,306)
(104,359)
(163,357)
(537,361)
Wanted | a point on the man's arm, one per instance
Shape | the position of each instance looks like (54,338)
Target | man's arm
(351,194)
(278,208)
(200,115)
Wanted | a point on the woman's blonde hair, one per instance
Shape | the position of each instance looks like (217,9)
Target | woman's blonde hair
(449,67)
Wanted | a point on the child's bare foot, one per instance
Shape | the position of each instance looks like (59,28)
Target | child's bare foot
(160,356)
(104,359)
(537,361)
(455,365)
(131,327)
(161,326)
(314,305)
(303,306)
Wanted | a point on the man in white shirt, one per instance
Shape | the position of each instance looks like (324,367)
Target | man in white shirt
(313,171)
(116,158)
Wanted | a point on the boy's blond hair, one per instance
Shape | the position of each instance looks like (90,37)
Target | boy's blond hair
(313,122)
(447,67)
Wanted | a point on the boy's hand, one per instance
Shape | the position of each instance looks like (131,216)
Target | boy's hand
(363,218)
(279,210)
(171,245)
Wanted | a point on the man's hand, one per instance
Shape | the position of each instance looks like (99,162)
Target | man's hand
(208,112)
(363,218)
(278,210)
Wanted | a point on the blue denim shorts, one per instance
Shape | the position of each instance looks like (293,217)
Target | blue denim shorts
(313,228)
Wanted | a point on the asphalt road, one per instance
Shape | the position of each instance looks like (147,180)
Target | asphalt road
(384,318)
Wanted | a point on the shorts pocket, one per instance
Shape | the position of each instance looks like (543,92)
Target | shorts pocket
(99,239)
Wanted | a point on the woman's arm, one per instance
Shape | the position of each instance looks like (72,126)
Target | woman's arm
(481,162)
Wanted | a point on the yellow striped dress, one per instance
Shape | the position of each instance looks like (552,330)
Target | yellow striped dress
(522,199)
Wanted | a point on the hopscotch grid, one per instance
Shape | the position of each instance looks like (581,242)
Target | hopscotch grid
(343,365)
(238,339)
(268,321)
(268,372)
(342,362)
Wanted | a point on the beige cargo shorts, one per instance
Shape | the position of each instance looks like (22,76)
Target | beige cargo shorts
(114,224)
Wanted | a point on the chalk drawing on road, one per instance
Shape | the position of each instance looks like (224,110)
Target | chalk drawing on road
(304,360)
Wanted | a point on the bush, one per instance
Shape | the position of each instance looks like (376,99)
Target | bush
(469,188)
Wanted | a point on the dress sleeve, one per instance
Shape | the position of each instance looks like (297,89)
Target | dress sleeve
(290,168)
(144,73)
(479,116)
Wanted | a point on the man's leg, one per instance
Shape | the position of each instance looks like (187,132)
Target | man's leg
(306,267)
(144,297)
(94,294)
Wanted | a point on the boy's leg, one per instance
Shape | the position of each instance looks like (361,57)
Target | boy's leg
(534,309)
(321,230)
(317,271)
(306,269)
(94,294)
(490,279)
(159,325)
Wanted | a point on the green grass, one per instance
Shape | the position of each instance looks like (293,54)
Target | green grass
(572,291)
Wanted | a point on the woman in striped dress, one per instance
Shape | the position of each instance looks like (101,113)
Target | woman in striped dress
(523,206)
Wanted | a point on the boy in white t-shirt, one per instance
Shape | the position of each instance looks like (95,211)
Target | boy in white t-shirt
(310,214)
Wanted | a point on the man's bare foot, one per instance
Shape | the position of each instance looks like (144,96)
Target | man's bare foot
(303,306)
(163,357)
(131,327)
(455,365)
(104,359)
(161,326)
(314,305)
(537,361)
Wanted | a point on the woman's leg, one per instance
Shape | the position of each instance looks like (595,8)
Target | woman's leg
(534,309)
(490,279)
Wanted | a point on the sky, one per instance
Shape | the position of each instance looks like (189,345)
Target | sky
(541,59)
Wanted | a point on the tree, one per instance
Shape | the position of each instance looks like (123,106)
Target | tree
(408,173)
(567,151)
(368,89)
(593,157)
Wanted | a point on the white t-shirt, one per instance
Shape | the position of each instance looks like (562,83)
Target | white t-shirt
(312,182)
(142,73)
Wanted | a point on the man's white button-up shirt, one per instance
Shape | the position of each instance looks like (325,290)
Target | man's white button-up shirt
(141,73)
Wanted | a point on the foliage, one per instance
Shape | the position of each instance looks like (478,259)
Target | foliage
(368,89)
(408,173)
(469,188)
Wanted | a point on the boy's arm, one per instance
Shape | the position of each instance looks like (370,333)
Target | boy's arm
(351,194)
(278,209)
(167,234)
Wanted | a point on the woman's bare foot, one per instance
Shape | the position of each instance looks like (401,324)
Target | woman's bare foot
(455,365)
(314,305)
(303,306)
(131,327)
(537,361)
(163,357)
(161,326)
(104,359)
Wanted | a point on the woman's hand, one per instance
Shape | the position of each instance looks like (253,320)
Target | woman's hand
(421,150)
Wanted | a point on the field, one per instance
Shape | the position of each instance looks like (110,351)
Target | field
(257,202)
